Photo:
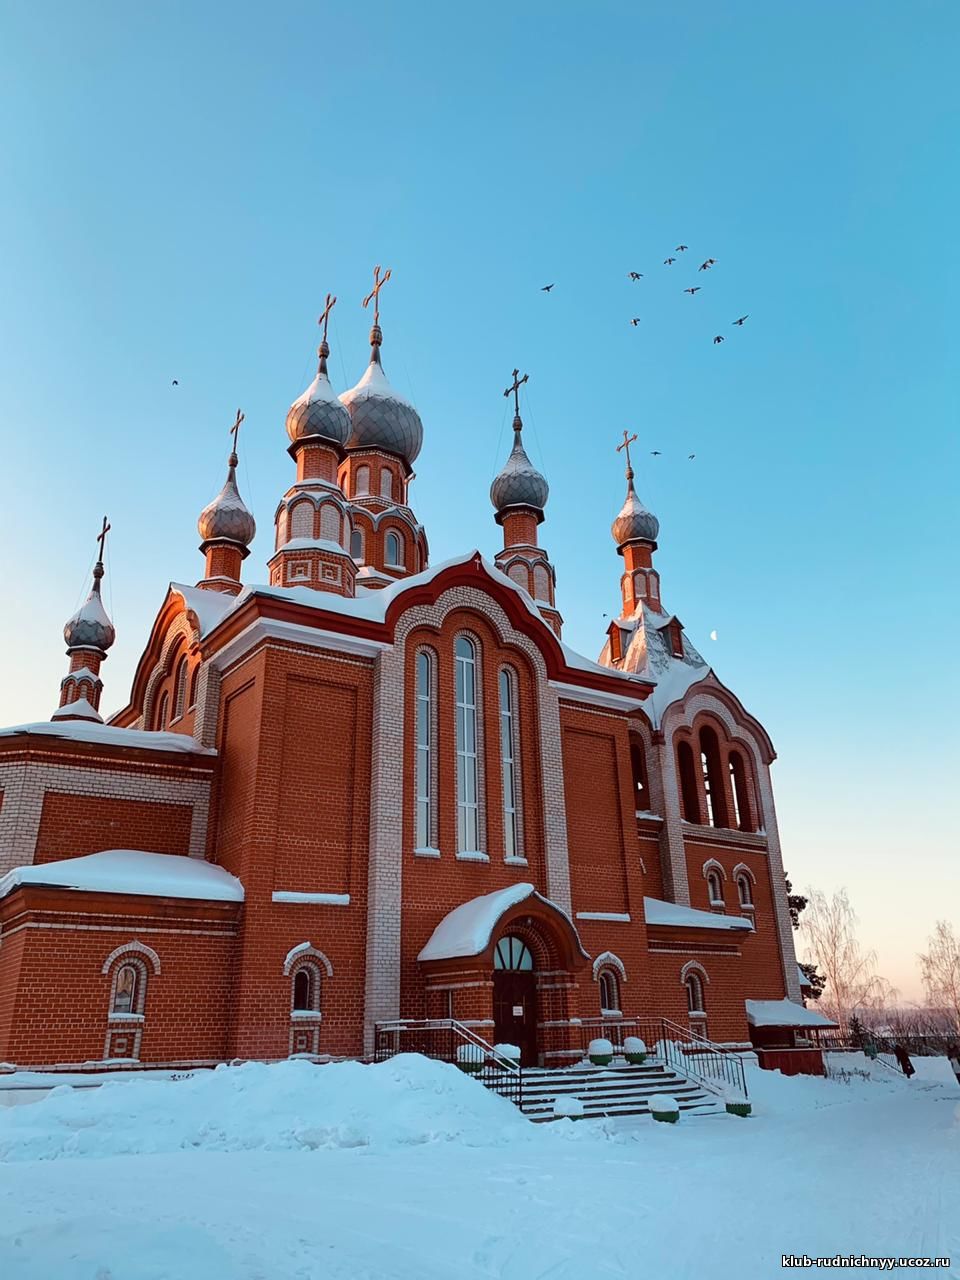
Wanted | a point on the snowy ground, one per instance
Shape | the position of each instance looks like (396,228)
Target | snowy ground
(410,1171)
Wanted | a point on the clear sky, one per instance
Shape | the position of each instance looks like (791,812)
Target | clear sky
(182,184)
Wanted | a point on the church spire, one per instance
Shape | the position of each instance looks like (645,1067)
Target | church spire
(227,528)
(635,532)
(89,634)
(519,494)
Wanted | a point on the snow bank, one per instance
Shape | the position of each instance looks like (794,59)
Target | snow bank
(154,875)
(297,1105)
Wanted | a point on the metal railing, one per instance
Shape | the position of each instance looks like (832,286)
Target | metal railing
(442,1038)
(683,1051)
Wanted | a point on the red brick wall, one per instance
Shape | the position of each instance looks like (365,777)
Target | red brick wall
(71,825)
(596,820)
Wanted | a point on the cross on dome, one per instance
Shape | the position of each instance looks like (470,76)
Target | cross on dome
(235,432)
(514,390)
(102,538)
(374,294)
(330,303)
(628,440)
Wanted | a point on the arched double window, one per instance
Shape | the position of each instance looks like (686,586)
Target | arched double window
(509,765)
(609,991)
(393,550)
(466,690)
(424,747)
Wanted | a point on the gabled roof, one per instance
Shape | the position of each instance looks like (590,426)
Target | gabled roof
(468,930)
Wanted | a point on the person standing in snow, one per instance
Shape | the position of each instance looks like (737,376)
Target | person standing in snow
(903,1061)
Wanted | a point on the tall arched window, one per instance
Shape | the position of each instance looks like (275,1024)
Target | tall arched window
(609,991)
(423,818)
(356,544)
(689,796)
(745,890)
(742,813)
(180,688)
(362,480)
(468,812)
(508,758)
(638,765)
(715,888)
(712,778)
(694,985)
(393,549)
(126,989)
(194,685)
(386,483)
(306,990)
(163,711)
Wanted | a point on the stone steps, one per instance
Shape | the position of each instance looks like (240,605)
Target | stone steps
(612,1091)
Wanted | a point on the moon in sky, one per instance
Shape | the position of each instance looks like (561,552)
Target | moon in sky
(713,635)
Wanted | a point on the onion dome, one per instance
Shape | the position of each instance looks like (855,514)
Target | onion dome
(90,627)
(318,412)
(381,418)
(634,520)
(227,518)
(519,484)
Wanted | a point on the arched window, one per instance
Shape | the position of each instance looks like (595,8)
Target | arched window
(712,778)
(362,480)
(508,758)
(356,544)
(303,981)
(694,985)
(742,815)
(689,796)
(127,989)
(386,483)
(194,686)
(715,887)
(609,991)
(468,811)
(638,765)
(301,520)
(512,953)
(393,549)
(745,890)
(163,711)
(180,688)
(423,820)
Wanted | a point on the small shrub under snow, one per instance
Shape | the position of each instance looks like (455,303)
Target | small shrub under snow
(571,1108)
(470,1058)
(665,1108)
(510,1051)
(634,1050)
(600,1053)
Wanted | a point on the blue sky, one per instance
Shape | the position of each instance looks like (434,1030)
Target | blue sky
(182,184)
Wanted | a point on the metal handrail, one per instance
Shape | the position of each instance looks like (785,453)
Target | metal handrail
(464,1032)
(664,1032)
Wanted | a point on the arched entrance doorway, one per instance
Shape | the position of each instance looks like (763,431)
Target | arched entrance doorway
(515,997)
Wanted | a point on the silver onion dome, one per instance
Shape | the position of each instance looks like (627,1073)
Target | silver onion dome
(90,627)
(381,418)
(318,412)
(634,520)
(227,518)
(519,484)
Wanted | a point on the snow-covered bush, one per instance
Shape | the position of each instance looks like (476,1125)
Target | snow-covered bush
(665,1108)
(470,1058)
(569,1108)
(510,1051)
(600,1053)
(736,1102)
(634,1050)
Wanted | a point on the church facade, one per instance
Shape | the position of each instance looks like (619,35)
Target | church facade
(374,788)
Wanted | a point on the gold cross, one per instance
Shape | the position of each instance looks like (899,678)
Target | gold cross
(102,537)
(627,442)
(374,293)
(514,390)
(325,314)
(235,429)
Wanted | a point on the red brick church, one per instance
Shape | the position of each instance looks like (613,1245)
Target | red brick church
(370,787)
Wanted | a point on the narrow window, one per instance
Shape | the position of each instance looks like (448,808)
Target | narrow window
(638,764)
(356,544)
(468,826)
(715,885)
(746,891)
(162,711)
(362,480)
(194,685)
(609,992)
(694,993)
(508,759)
(712,778)
(180,694)
(386,483)
(393,551)
(424,745)
(125,991)
(741,796)
(303,989)
(689,799)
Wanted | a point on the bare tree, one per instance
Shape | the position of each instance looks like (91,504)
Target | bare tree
(829,930)
(940,966)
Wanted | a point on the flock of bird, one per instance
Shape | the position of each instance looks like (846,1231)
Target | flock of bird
(692,290)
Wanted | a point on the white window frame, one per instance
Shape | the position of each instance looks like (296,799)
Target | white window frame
(424,746)
(467,715)
(393,563)
(510,776)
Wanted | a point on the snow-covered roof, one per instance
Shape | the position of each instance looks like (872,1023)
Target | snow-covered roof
(79,709)
(108,735)
(783,1013)
(802,977)
(468,929)
(671,913)
(153,875)
(647,652)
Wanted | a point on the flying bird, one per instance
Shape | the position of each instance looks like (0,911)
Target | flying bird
(696,289)
(718,339)
(668,262)
(691,456)
(654,453)
(635,321)
(175,383)
(741,320)
(636,275)
(546,288)
(705,266)
(681,248)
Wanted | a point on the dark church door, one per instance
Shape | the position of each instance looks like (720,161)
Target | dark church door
(515,998)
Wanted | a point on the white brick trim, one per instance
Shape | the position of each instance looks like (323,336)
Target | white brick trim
(132,948)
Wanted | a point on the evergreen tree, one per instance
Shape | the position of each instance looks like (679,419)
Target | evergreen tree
(797,903)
